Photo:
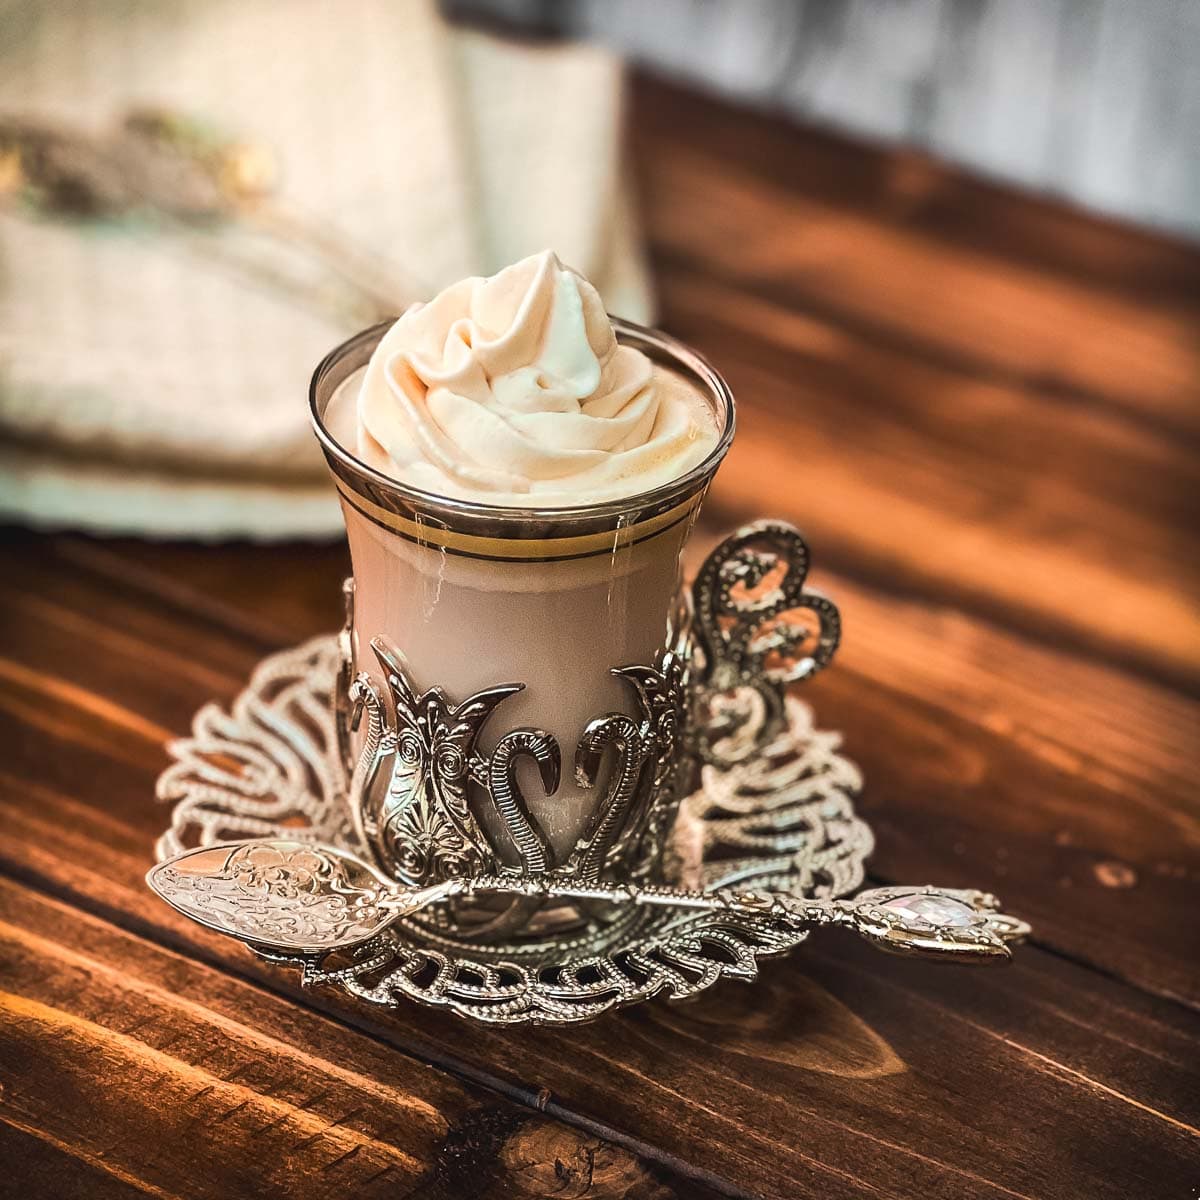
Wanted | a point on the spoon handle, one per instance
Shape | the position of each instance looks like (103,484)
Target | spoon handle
(962,925)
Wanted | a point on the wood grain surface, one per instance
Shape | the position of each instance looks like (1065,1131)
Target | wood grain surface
(111,1045)
(982,410)
(1092,99)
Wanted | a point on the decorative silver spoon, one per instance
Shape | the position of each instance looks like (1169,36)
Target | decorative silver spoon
(302,898)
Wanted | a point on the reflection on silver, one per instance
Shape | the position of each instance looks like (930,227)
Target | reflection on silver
(415,817)
(409,790)
(283,895)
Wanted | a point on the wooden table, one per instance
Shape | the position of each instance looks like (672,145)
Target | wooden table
(982,409)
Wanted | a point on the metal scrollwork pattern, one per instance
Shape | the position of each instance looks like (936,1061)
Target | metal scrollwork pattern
(781,821)
(272,761)
(756,629)
(409,790)
(527,836)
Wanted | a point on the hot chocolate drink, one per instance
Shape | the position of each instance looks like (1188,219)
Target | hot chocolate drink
(518,479)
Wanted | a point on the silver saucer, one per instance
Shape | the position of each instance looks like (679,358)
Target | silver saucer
(781,822)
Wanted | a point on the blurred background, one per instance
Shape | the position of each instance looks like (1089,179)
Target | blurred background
(199,198)
(1094,100)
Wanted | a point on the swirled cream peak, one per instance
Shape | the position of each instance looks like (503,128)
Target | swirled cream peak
(514,390)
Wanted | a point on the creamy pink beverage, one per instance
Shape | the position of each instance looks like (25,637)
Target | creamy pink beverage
(518,476)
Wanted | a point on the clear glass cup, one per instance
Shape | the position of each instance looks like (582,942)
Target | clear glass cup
(478,595)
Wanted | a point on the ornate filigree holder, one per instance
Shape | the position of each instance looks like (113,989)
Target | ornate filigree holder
(413,868)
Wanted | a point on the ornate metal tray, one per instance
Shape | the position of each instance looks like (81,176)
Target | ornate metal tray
(372,873)
(782,822)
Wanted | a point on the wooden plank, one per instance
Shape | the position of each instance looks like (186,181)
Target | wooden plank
(911,257)
(842,1074)
(1075,526)
(37,1167)
(897,185)
(128,1070)
(938,410)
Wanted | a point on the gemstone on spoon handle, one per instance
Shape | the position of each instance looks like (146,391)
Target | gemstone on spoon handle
(943,924)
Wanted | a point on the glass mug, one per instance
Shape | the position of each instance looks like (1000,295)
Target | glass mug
(519,650)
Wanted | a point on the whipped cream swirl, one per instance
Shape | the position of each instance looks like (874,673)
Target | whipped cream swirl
(514,390)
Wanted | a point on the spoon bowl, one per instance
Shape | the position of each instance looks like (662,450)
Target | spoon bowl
(284,896)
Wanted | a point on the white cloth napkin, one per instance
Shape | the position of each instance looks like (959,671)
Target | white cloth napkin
(154,380)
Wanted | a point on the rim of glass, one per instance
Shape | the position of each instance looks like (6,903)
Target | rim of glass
(674,349)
